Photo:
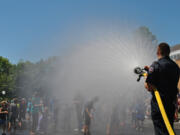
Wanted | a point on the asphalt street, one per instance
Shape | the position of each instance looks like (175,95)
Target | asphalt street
(126,130)
(129,131)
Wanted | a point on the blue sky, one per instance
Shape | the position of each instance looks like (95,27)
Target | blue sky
(32,29)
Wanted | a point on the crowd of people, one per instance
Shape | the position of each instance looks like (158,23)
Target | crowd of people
(30,114)
(12,114)
(38,114)
(112,119)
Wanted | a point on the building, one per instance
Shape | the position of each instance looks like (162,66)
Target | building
(175,55)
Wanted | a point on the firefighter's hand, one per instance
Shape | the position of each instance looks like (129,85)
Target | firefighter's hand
(149,87)
(146,68)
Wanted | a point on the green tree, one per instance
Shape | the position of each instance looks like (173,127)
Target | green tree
(35,76)
(7,76)
(145,36)
(24,77)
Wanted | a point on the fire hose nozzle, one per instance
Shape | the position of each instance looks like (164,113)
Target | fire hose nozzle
(140,71)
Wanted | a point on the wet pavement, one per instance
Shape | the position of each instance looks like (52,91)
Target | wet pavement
(129,132)
(147,130)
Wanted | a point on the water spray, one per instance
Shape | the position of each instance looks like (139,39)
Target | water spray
(143,72)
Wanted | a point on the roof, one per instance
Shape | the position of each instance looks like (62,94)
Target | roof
(175,52)
(176,47)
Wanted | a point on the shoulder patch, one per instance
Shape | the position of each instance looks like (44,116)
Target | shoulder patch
(154,67)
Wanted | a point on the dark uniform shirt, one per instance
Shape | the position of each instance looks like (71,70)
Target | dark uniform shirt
(164,75)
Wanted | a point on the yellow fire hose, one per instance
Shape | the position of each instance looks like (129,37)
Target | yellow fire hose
(162,110)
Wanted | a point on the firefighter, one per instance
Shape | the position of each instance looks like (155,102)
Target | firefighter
(163,75)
